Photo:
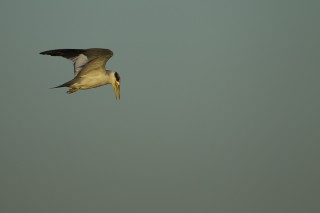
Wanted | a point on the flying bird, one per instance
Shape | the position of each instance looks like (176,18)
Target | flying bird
(89,69)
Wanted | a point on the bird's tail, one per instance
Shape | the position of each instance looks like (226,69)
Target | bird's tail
(67,84)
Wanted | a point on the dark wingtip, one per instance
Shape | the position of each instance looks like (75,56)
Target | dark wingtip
(43,53)
(48,52)
(66,53)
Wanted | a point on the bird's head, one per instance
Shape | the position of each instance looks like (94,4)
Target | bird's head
(115,81)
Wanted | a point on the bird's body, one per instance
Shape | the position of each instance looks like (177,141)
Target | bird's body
(93,80)
(89,69)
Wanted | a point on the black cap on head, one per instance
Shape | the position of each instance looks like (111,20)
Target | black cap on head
(117,76)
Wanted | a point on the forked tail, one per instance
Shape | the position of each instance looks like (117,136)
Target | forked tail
(67,84)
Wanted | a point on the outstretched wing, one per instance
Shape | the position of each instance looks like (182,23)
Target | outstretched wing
(82,57)
(97,59)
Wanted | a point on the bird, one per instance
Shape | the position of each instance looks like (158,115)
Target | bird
(89,69)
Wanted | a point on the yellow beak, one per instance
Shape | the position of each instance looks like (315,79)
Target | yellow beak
(116,89)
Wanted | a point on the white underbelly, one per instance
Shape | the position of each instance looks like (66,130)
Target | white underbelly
(92,82)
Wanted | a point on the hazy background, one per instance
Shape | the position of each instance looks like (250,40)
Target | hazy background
(219,109)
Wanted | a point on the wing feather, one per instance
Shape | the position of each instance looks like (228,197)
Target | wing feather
(66,53)
(83,59)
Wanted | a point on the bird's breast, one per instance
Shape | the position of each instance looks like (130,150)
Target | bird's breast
(87,82)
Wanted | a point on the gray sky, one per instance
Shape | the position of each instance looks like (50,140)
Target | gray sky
(219,109)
